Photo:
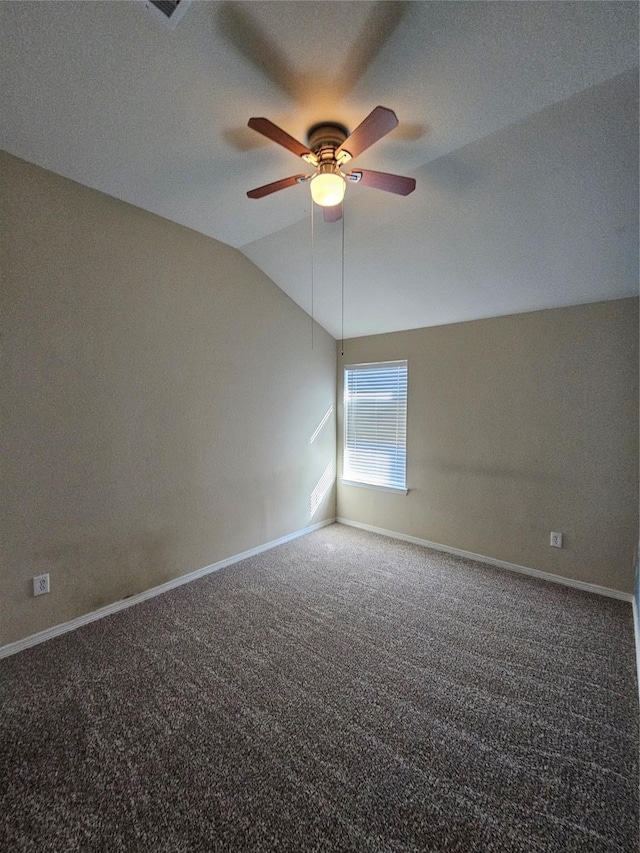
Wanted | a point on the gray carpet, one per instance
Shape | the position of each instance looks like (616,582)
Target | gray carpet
(342,692)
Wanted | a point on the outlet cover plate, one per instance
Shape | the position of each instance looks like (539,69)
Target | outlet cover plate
(41,584)
(556,540)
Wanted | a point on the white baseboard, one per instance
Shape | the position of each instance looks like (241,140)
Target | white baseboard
(502,564)
(63,628)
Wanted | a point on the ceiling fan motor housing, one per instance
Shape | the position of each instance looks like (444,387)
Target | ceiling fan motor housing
(325,138)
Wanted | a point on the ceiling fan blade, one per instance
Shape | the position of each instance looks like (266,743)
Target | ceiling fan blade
(382,181)
(267,189)
(377,124)
(332,214)
(277,134)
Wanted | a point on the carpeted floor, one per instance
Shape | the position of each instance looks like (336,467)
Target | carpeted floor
(342,692)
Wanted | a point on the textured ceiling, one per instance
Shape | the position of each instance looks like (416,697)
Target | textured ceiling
(518,120)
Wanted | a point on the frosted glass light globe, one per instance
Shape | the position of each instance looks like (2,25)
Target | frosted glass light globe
(327,188)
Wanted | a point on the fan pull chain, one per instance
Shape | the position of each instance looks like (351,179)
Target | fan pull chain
(311,204)
(342,338)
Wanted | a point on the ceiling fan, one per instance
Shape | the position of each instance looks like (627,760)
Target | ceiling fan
(330,148)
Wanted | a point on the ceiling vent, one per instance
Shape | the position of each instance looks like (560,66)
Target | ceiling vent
(169,12)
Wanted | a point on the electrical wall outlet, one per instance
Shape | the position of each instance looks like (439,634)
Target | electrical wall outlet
(41,585)
(556,540)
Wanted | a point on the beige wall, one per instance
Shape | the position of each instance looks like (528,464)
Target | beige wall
(158,397)
(518,426)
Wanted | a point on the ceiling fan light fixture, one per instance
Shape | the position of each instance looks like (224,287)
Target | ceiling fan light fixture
(331,147)
(327,187)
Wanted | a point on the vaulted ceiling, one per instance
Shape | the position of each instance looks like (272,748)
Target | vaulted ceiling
(519,121)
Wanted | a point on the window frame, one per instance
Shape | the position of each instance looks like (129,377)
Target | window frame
(363,483)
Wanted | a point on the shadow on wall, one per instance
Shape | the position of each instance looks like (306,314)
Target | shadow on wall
(124,565)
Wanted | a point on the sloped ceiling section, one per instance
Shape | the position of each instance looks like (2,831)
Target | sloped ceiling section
(518,120)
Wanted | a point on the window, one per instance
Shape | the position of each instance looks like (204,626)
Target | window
(375,425)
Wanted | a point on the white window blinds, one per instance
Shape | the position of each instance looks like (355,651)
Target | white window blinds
(375,422)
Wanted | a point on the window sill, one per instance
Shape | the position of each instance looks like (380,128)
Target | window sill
(393,489)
